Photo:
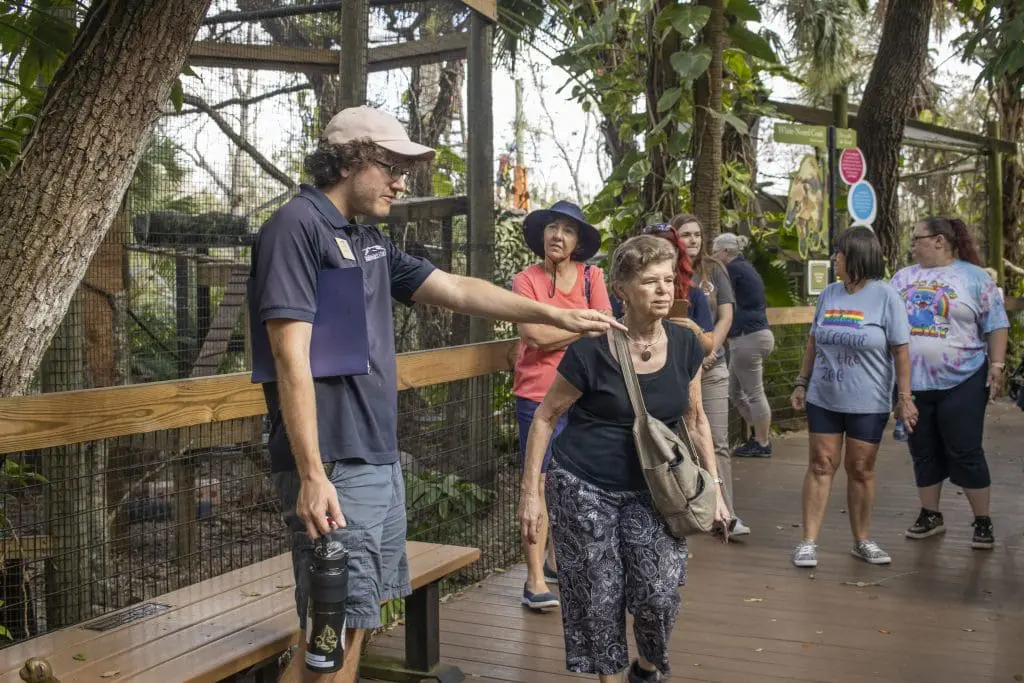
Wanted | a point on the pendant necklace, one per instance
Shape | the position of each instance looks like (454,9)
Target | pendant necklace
(645,354)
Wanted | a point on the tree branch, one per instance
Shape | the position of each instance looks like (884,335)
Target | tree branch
(243,144)
(243,101)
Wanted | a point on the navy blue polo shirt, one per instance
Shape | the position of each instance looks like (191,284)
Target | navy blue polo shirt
(357,417)
(750,313)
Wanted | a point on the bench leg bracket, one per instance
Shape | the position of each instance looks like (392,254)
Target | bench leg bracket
(422,645)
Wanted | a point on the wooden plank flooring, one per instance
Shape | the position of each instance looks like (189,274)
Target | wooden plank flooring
(941,613)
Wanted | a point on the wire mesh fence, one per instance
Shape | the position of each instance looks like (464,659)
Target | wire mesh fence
(93,528)
(163,296)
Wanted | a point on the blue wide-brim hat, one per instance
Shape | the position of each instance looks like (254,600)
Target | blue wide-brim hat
(536,221)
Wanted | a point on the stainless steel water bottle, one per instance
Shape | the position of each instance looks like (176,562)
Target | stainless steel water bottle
(325,614)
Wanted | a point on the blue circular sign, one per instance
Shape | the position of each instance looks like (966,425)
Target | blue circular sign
(862,203)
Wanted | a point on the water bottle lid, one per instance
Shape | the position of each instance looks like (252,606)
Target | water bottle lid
(329,552)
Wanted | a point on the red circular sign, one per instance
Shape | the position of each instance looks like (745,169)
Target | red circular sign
(852,166)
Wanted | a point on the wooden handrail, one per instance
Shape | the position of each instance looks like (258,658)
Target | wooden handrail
(70,417)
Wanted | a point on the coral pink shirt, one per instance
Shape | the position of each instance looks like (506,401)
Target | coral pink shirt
(535,369)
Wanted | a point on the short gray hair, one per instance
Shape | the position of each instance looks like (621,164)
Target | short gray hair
(638,253)
(730,243)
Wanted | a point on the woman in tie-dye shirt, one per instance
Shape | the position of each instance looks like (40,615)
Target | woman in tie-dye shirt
(958,332)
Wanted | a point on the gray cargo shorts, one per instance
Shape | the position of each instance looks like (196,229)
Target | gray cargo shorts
(372,500)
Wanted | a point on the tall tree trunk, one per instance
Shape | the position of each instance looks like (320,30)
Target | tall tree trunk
(902,55)
(1009,101)
(62,194)
(707,125)
(660,77)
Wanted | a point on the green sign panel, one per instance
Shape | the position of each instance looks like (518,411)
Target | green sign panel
(817,277)
(815,136)
(846,138)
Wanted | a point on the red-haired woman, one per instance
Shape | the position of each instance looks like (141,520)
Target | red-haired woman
(958,332)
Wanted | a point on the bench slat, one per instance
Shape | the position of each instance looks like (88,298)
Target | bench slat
(184,642)
(232,622)
(259,577)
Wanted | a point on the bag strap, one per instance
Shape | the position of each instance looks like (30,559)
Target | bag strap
(629,373)
(636,397)
(586,283)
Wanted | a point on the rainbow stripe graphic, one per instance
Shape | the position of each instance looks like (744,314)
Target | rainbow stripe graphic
(839,317)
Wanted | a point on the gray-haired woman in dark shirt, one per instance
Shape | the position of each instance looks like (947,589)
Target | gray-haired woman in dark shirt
(613,550)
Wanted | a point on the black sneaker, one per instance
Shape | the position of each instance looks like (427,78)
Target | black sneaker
(753,449)
(929,523)
(983,538)
(637,675)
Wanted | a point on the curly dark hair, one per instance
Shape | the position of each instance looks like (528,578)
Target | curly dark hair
(325,163)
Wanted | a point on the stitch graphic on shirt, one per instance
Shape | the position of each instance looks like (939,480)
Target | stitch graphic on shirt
(928,306)
(839,317)
(372,253)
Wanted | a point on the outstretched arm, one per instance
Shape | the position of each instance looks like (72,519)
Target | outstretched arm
(481,299)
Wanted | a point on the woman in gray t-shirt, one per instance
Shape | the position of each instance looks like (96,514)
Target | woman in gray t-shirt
(857,350)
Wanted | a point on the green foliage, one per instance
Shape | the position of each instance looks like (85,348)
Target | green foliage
(824,34)
(511,255)
(994,37)
(599,50)
(442,506)
(449,172)
(35,37)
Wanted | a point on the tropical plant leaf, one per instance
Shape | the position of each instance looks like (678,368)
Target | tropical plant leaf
(690,64)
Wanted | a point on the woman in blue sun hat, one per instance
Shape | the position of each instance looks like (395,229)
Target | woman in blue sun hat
(564,239)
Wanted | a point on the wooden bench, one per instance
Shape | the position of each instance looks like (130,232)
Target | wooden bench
(231,624)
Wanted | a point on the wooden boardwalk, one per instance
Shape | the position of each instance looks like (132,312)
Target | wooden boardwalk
(941,613)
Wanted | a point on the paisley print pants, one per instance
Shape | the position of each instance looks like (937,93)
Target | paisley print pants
(614,554)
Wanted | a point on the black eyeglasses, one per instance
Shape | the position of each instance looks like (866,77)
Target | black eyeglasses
(656,228)
(394,170)
(915,238)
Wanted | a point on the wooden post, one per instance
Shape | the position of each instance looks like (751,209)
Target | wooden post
(995,203)
(68,498)
(841,119)
(479,170)
(480,162)
(355,40)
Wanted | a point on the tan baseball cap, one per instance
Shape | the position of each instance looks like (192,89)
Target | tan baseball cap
(381,128)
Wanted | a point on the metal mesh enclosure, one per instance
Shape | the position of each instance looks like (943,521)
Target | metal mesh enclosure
(164,296)
(94,527)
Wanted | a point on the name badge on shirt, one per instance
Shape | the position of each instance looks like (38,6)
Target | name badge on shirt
(346,249)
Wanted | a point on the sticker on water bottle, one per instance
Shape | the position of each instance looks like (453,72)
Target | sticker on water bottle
(318,661)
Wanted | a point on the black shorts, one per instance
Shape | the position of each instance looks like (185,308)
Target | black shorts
(946,443)
(867,427)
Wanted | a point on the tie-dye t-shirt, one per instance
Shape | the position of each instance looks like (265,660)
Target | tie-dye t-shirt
(853,369)
(951,309)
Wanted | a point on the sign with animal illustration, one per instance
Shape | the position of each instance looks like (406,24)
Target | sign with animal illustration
(806,207)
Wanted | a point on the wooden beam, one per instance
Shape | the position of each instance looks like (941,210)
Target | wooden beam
(796,315)
(413,209)
(488,8)
(318,60)
(62,418)
(823,117)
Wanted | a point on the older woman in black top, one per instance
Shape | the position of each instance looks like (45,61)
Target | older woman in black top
(614,552)
(750,343)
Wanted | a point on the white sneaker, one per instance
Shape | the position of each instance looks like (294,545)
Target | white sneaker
(870,552)
(805,554)
(740,529)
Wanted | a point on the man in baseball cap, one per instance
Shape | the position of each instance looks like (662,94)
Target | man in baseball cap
(333,440)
